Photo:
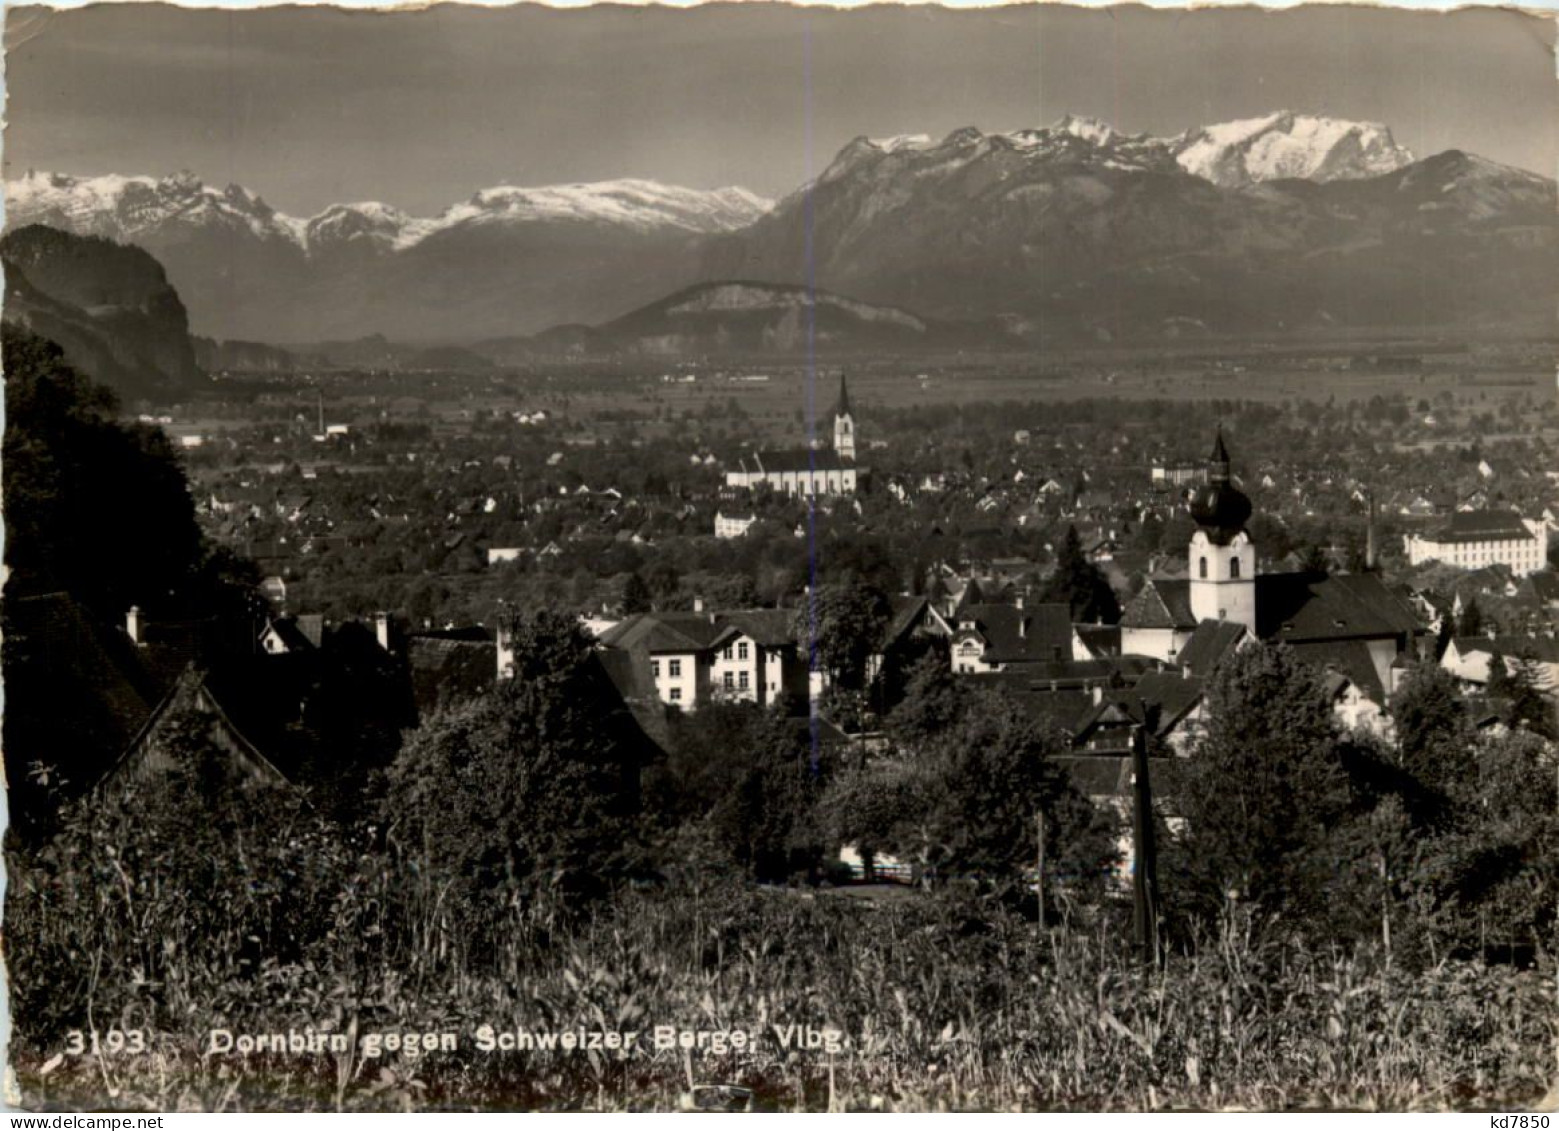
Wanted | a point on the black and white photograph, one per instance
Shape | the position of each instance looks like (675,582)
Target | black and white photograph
(778,558)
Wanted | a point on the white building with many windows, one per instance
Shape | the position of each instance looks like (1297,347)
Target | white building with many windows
(691,659)
(1474,539)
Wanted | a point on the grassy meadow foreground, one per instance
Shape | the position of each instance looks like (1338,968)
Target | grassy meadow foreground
(944,1001)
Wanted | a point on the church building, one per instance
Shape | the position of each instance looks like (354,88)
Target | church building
(807,471)
(1348,624)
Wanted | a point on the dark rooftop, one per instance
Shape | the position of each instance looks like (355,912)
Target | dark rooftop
(1014,635)
(1348,658)
(665,632)
(798,459)
(1211,641)
(1482,526)
(1163,603)
(1295,607)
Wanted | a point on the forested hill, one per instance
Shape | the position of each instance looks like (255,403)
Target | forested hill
(109,307)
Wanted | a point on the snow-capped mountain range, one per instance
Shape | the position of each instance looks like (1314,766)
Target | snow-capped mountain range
(1254,223)
(1279,146)
(124,207)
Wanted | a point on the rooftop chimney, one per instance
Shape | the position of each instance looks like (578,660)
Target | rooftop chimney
(698,604)
(382,630)
(133,624)
(1369,536)
(1098,694)
(1018,601)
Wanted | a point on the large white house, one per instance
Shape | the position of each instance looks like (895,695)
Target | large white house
(1474,539)
(686,660)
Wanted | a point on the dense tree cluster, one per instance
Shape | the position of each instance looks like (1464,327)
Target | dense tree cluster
(92,506)
(527,793)
(98,513)
(1438,840)
(964,787)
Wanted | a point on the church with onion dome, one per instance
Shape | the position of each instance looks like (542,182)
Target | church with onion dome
(1348,624)
(1223,558)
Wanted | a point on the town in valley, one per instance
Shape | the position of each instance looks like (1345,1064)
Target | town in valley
(1011,616)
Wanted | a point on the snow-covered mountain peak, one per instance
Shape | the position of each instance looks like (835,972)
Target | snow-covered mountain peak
(1285,144)
(633,203)
(366,222)
(1089,129)
(900,141)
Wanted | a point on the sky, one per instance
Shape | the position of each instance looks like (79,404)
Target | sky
(419,109)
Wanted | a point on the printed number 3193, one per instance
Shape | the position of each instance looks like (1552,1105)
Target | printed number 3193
(115,1040)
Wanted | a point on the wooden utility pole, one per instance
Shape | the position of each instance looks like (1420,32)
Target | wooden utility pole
(1144,867)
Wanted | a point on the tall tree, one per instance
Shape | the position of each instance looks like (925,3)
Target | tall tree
(1471,622)
(91,505)
(1080,585)
(636,596)
(1527,706)
(1506,860)
(1498,685)
(843,624)
(1262,786)
(1315,559)
(1431,726)
(531,789)
(751,779)
(99,510)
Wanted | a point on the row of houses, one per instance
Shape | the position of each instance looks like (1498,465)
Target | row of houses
(301,685)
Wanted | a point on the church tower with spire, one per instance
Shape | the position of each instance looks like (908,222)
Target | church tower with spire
(844,424)
(1222,556)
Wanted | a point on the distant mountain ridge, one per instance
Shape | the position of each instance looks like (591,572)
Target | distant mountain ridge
(733,318)
(1074,231)
(124,207)
(250,357)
